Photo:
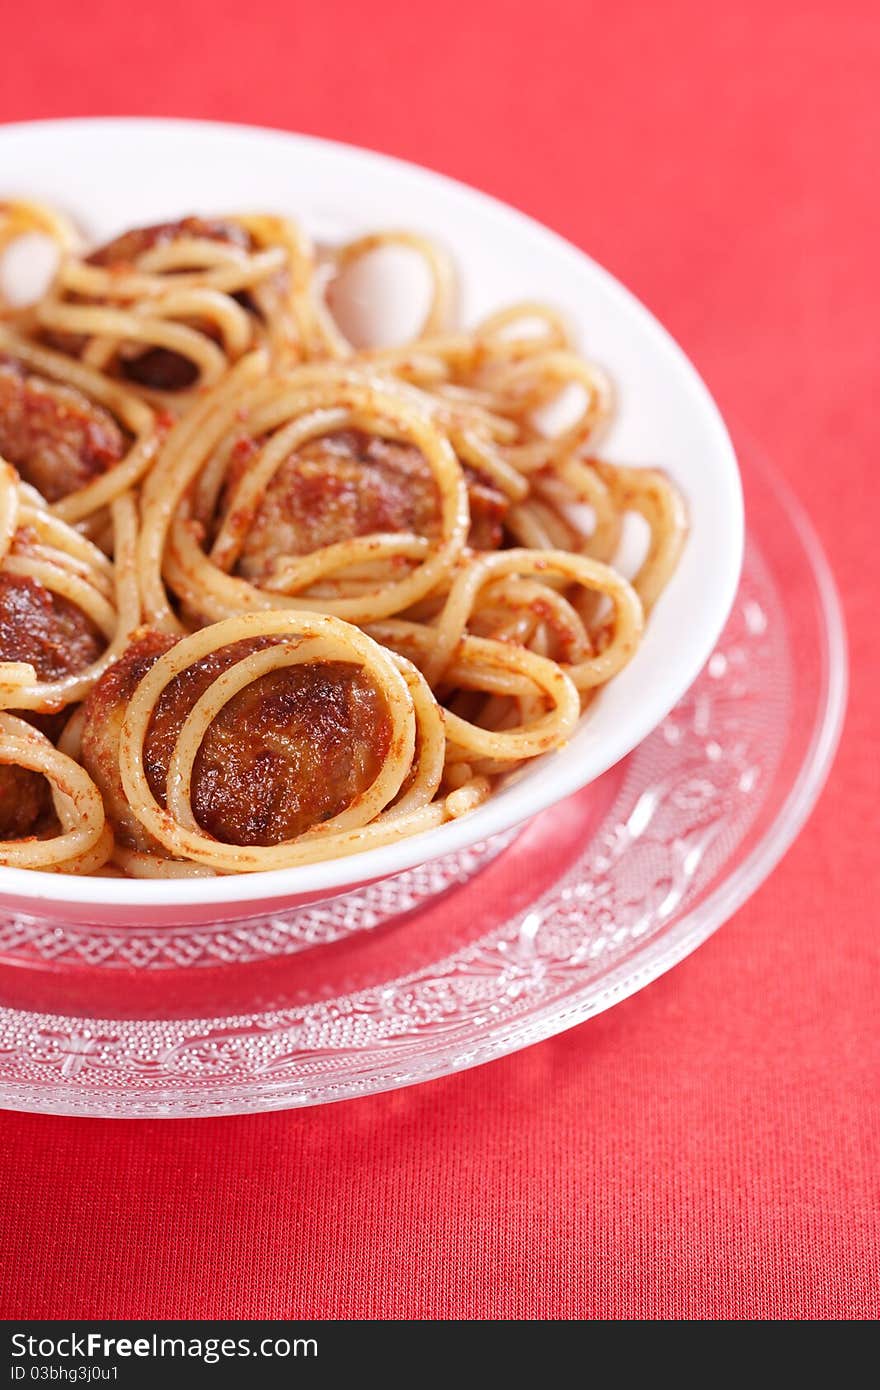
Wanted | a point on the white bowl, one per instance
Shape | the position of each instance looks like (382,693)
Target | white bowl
(111,174)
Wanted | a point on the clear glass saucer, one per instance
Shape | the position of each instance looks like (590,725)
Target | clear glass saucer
(477,955)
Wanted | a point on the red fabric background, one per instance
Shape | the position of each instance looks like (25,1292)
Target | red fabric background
(710,1147)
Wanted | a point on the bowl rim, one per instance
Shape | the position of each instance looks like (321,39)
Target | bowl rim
(560,777)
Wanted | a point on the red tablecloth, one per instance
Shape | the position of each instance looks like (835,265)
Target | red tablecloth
(710,1147)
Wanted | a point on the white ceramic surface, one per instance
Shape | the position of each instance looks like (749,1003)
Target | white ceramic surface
(115,173)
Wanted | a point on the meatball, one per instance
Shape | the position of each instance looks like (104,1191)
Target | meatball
(353,484)
(57,638)
(125,249)
(25,802)
(41,627)
(55,436)
(340,486)
(289,751)
(159,368)
(292,749)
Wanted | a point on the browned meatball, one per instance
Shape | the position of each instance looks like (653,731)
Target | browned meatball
(45,629)
(289,751)
(56,638)
(340,486)
(55,436)
(24,801)
(159,368)
(354,484)
(125,249)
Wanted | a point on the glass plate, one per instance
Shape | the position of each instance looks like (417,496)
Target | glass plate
(471,957)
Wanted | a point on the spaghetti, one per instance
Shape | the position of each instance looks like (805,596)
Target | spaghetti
(336,590)
(170,308)
(66,613)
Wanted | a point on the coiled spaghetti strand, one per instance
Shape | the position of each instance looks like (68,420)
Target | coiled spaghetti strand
(199,582)
(654,496)
(303,637)
(85,841)
(135,416)
(626,628)
(77,571)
